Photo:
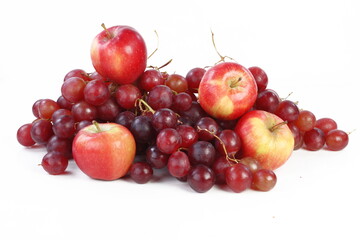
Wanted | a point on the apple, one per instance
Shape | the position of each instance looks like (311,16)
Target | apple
(119,53)
(104,151)
(266,138)
(227,90)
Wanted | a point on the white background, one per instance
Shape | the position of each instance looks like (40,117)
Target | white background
(309,47)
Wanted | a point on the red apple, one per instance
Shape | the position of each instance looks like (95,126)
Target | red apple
(119,53)
(265,137)
(104,151)
(227,91)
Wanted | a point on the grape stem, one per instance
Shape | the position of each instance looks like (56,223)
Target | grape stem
(157,45)
(162,66)
(143,105)
(222,58)
(231,160)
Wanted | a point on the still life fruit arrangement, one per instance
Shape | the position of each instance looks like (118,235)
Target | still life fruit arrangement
(215,125)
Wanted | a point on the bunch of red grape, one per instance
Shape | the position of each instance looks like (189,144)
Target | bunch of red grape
(171,129)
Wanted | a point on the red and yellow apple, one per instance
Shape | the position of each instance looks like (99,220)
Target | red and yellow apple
(104,151)
(119,53)
(227,90)
(265,137)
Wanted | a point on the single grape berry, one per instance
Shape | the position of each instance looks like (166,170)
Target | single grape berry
(337,140)
(287,110)
(164,118)
(260,77)
(168,140)
(41,131)
(156,158)
(54,163)
(160,97)
(141,172)
(24,136)
(230,140)
(193,78)
(238,177)
(306,121)
(267,100)
(201,178)
(207,127)
(178,164)
(314,139)
(263,180)
(96,92)
(188,135)
(326,124)
(126,95)
(219,167)
(202,152)
(176,83)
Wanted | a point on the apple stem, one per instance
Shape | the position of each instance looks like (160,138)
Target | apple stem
(97,126)
(222,58)
(140,102)
(276,126)
(157,45)
(231,160)
(109,35)
(235,83)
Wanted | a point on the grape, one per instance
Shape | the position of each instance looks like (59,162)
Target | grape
(60,145)
(73,89)
(141,172)
(326,124)
(227,124)
(142,129)
(188,135)
(176,83)
(314,139)
(125,118)
(84,111)
(156,158)
(201,178)
(60,112)
(47,107)
(267,100)
(238,177)
(160,97)
(263,180)
(151,78)
(336,140)
(251,163)
(80,125)
(209,124)
(126,95)
(298,141)
(54,163)
(306,121)
(24,136)
(178,164)
(164,118)
(202,152)
(193,78)
(35,108)
(64,126)
(96,92)
(260,77)
(41,131)
(287,111)
(168,140)
(230,140)
(194,113)
(181,102)
(63,103)
(108,111)
(219,167)
(77,73)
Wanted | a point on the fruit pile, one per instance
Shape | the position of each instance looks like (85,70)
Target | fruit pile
(219,125)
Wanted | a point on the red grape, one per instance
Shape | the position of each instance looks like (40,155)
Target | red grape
(219,167)
(54,163)
(77,73)
(64,126)
(24,135)
(181,102)
(202,152)
(41,131)
(84,111)
(178,164)
(96,92)
(160,97)
(230,140)
(188,135)
(108,111)
(306,121)
(126,95)
(238,177)
(150,78)
(267,100)
(47,107)
(73,89)
(326,124)
(60,112)
(193,78)
(164,118)
(60,145)
(287,111)
(201,178)
(142,129)
(251,163)
(337,140)
(263,180)
(141,172)
(260,77)
(207,127)
(168,140)
(156,158)
(314,139)
(176,83)
(125,118)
